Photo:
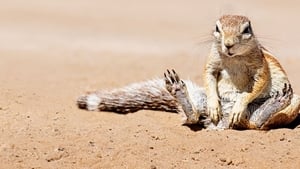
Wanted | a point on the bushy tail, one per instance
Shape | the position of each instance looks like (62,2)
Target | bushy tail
(150,95)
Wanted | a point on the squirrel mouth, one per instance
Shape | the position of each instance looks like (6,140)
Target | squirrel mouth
(230,54)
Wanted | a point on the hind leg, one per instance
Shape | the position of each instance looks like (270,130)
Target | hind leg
(191,98)
(279,110)
(285,116)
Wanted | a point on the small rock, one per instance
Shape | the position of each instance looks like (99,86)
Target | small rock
(60,149)
(226,161)
(195,159)
(229,162)
(244,149)
(282,139)
(99,155)
(223,160)
(153,167)
(92,143)
(155,137)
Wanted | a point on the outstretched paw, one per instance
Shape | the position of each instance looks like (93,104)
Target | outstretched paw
(173,83)
(178,89)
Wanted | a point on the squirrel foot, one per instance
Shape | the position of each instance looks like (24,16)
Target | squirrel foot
(178,89)
(276,103)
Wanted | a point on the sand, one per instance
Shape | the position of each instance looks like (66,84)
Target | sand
(53,51)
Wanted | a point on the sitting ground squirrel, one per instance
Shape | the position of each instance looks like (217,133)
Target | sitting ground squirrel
(245,86)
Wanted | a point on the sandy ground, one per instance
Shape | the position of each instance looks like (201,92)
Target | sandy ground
(53,51)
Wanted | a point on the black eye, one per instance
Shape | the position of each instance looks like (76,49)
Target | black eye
(217,29)
(247,30)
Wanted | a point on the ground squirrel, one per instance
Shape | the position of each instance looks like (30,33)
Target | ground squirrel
(245,86)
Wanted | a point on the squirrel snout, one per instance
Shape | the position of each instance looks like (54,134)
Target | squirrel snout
(229,43)
(227,48)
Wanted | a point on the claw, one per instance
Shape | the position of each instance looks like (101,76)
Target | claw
(168,71)
(182,83)
(166,77)
(276,95)
(231,123)
(176,77)
(284,90)
(290,90)
(170,76)
(234,120)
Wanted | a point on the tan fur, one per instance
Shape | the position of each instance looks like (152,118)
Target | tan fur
(239,69)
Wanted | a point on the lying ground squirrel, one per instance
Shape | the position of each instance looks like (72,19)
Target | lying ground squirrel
(245,86)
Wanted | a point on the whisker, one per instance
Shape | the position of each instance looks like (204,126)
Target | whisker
(268,42)
(203,36)
(269,45)
(207,41)
(267,38)
(246,44)
(204,39)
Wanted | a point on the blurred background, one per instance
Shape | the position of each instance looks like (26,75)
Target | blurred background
(97,36)
(138,26)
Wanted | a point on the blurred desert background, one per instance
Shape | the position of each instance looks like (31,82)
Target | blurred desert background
(52,51)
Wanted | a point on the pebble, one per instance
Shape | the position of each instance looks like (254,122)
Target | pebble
(153,167)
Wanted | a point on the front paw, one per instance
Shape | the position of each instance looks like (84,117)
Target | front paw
(238,114)
(214,111)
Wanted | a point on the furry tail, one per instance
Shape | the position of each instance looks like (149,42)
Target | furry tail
(150,95)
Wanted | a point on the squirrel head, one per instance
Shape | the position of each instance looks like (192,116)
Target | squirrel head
(234,35)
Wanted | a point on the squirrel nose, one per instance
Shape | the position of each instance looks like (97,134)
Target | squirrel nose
(229,45)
